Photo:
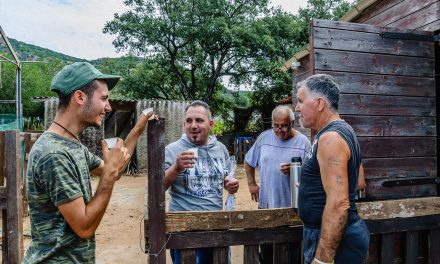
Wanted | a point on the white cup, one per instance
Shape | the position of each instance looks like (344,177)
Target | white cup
(192,171)
(148,110)
(111,142)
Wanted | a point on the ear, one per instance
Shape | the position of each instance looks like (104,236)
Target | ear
(321,104)
(79,97)
(211,124)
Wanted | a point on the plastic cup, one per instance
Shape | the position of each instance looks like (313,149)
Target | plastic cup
(148,110)
(111,142)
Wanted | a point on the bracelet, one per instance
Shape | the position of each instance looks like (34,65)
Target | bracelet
(321,262)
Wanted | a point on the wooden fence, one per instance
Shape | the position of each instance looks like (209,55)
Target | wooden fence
(406,230)
(241,147)
(11,197)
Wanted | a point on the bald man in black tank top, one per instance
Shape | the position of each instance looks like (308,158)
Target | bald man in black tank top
(333,231)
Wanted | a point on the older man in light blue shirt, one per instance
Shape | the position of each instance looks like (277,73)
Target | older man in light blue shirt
(272,153)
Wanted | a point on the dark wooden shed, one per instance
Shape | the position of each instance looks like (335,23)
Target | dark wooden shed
(386,57)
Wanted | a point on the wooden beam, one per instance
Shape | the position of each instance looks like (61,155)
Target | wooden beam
(271,218)
(220,220)
(387,248)
(156,192)
(188,256)
(235,237)
(403,224)
(3,197)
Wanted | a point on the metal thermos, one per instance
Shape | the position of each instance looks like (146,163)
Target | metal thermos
(295,168)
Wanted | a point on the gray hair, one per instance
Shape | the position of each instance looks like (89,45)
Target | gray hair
(324,85)
(197,103)
(285,108)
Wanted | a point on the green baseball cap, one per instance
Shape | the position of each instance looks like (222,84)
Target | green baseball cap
(74,76)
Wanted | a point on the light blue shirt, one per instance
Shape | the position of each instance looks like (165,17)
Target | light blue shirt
(267,153)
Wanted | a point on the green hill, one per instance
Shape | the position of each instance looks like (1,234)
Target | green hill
(28,52)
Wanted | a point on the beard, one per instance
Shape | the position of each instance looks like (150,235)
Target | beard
(89,113)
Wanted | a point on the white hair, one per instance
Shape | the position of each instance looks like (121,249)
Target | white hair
(285,108)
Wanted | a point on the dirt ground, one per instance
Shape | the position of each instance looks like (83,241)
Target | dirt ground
(119,238)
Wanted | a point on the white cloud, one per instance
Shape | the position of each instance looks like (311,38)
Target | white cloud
(291,6)
(70,27)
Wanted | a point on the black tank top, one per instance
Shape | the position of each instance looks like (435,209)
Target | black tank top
(311,195)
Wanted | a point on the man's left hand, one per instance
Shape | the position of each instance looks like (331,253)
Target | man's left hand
(285,168)
(231,185)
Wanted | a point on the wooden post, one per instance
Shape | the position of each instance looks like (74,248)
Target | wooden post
(220,255)
(188,256)
(27,148)
(387,248)
(251,254)
(434,246)
(412,247)
(281,253)
(14,209)
(156,192)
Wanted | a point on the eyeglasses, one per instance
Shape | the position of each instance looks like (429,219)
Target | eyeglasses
(283,127)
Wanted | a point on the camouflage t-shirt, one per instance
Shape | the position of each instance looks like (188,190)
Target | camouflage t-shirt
(58,172)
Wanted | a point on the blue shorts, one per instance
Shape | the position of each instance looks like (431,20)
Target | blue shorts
(353,248)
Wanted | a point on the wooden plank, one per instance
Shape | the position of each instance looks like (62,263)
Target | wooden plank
(389,147)
(14,207)
(387,255)
(338,39)
(352,104)
(188,256)
(2,158)
(412,247)
(434,26)
(4,237)
(403,208)
(375,190)
(221,238)
(27,149)
(375,9)
(251,255)
(410,167)
(375,210)
(156,192)
(391,126)
(220,255)
(281,253)
(383,84)
(403,224)
(322,23)
(3,197)
(220,220)
(434,245)
(330,60)
(399,11)
(420,18)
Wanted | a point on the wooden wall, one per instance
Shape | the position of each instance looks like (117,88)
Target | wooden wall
(388,96)
(405,14)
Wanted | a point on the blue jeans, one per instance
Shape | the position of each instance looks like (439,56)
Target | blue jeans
(352,249)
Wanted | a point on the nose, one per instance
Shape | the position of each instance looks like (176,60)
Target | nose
(297,107)
(107,107)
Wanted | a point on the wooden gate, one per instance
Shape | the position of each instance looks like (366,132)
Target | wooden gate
(406,230)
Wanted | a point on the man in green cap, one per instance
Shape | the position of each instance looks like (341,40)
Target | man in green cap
(64,214)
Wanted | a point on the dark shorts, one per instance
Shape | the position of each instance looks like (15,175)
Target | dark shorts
(352,249)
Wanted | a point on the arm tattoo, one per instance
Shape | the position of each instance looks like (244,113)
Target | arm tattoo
(339,179)
(332,161)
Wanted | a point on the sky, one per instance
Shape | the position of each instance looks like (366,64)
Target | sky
(74,27)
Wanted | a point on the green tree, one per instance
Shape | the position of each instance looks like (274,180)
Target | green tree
(202,41)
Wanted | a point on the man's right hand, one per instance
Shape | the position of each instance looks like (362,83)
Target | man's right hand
(185,160)
(115,160)
(254,189)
